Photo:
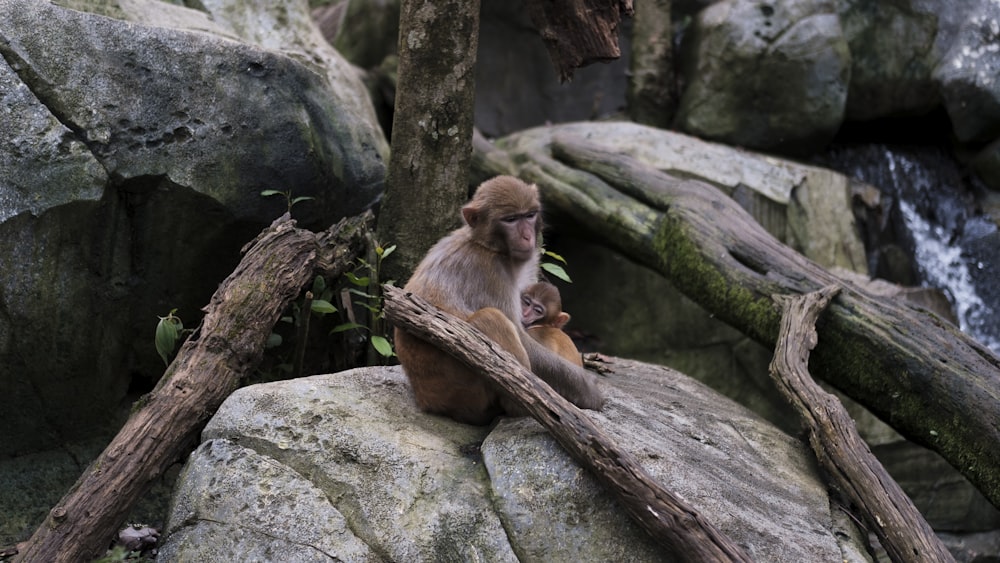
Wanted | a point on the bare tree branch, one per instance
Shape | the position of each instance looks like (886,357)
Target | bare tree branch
(901,529)
(664,516)
(228,345)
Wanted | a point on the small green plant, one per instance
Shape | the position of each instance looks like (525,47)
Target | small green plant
(555,269)
(315,301)
(289,200)
(169,331)
(115,554)
(369,288)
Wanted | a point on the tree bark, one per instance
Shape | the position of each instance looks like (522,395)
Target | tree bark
(579,32)
(664,516)
(432,128)
(228,345)
(900,528)
(933,384)
(651,94)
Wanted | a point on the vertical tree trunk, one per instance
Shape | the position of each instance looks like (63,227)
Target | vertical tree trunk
(652,98)
(432,128)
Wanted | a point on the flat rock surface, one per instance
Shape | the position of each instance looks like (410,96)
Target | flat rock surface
(343,466)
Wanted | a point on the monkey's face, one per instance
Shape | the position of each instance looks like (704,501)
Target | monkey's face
(518,231)
(532,310)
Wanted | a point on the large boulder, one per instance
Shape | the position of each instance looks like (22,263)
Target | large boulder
(894,49)
(771,76)
(343,466)
(967,73)
(138,138)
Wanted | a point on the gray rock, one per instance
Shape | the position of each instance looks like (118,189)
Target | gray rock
(771,76)
(894,49)
(347,457)
(967,73)
(517,87)
(344,466)
(138,136)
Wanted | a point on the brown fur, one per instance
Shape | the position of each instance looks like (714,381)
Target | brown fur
(558,341)
(547,328)
(476,273)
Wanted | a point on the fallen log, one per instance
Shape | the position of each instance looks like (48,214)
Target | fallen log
(929,381)
(889,513)
(676,526)
(208,367)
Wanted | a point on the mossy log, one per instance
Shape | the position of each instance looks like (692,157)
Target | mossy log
(914,370)
(226,347)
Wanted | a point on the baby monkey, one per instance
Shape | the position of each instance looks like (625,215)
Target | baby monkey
(543,317)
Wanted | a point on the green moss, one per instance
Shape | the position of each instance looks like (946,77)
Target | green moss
(684,262)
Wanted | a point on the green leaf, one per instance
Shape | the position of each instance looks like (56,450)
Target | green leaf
(302,198)
(346,326)
(166,338)
(360,293)
(267,193)
(327,294)
(557,271)
(555,256)
(319,284)
(322,307)
(273,340)
(362,282)
(382,346)
(372,308)
(385,251)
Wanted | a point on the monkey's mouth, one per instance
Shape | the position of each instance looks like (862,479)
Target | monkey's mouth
(522,254)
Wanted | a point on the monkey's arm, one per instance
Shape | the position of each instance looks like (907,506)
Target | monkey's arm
(576,384)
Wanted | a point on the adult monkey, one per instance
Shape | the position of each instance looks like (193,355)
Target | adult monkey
(543,317)
(476,273)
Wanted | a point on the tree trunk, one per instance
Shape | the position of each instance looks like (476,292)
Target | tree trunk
(226,347)
(921,375)
(432,128)
(890,514)
(579,32)
(651,94)
(664,516)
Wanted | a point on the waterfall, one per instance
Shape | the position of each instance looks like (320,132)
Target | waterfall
(934,213)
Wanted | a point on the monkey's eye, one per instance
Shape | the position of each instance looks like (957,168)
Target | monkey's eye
(540,311)
(526,302)
(511,219)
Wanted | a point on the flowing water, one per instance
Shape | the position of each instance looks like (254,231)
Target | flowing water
(933,212)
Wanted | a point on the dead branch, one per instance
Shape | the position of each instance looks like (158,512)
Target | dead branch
(669,520)
(901,529)
(208,367)
(579,32)
(933,384)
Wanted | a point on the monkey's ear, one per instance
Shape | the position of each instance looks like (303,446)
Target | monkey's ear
(561,319)
(470,214)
